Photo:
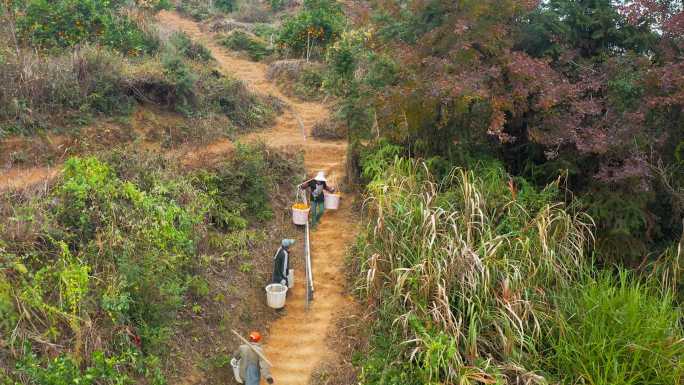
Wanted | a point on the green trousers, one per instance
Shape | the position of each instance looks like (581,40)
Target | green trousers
(317,210)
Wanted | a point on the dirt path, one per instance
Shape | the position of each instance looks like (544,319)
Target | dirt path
(19,178)
(297,342)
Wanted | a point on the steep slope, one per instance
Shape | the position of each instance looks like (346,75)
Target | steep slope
(296,343)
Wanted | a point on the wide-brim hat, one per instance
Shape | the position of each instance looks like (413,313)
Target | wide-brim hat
(320,177)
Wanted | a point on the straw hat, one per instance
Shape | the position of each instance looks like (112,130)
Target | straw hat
(320,177)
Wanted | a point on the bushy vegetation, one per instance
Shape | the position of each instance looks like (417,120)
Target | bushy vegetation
(478,277)
(298,78)
(46,92)
(70,88)
(64,23)
(585,90)
(256,48)
(311,30)
(189,48)
(95,270)
(202,9)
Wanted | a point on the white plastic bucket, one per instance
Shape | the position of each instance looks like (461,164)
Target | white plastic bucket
(332,201)
(290,279)
(275,295)
(236,369)
(300,216)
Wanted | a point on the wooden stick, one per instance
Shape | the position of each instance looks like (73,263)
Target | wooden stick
(261,355)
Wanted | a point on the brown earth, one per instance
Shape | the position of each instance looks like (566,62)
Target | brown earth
(24,159)
(296,342)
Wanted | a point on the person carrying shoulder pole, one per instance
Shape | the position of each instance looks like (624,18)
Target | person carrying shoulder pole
(281,263)
(316,186)
(251,361)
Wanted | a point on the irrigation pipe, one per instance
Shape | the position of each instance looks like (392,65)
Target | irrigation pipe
(309,270)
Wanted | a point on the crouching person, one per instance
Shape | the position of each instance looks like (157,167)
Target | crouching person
(252,365)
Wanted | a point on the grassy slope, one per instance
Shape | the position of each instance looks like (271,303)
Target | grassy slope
(137,248)
(151,323)
(473,281)
(67,101)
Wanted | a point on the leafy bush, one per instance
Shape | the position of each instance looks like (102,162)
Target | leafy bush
(225,5)
(64,23)
(189,48)
(182,80)
(249,175)
(319,23)
(252,12)
(64,371)
(298,77)
(105,259)
(254,46)
(278,5)
(43,92)
(137,280)
(197,9)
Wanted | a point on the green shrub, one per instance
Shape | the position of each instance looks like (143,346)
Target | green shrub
(616,331)
(318,24)
(377,159)
(64,23)
(8,315)
(115,242)
(225,5)
(232,98)
(182,79)
(253,46)
(239,188)
(309,84)
(278,5)
(189,48)
(65,371)
(197,9)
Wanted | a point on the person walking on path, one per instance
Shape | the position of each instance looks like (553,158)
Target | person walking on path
(281,263)
(251,362)
(316,186)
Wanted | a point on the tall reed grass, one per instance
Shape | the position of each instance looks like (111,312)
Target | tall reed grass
(466,273)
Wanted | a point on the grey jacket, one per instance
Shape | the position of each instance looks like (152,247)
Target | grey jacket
(248,357)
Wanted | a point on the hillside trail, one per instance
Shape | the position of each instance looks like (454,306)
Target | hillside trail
(297,342)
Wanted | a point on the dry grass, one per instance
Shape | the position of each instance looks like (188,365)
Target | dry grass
(227,25)
(285,69)
(329,129)
(298,78)
(472,264)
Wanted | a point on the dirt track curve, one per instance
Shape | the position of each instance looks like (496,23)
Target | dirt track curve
(297,342)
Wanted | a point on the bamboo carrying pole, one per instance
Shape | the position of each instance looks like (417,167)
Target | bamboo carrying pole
(261,355)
